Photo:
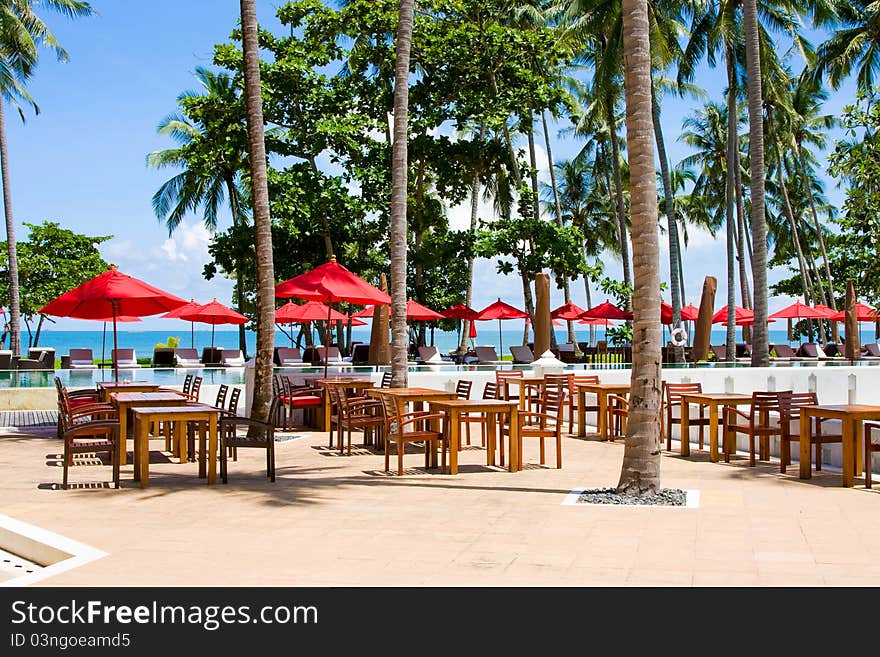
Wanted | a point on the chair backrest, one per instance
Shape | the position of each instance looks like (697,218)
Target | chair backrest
(522,354)
(187,383)
(763,402)
(580,378)
(486,354)
(81,354)
(490,390)
(389,411)
(123,356)
(674,391)
(232,357)
(792,402)
(810,349)
(360,353)
(784,351)
(222,391)
(560,381)
(502,377)
(386,379)
(196,387)
(332,354)
(234,395)
(463,388)
(289,354)
(552,403)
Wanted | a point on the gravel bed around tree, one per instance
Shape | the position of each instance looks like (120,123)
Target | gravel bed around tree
(663,497)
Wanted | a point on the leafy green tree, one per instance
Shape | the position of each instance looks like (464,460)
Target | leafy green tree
(52,261)
(22,33)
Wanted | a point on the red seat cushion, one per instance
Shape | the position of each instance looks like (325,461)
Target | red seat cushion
(305,400)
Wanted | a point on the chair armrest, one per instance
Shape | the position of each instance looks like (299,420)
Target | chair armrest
(239,420)
(728,410)
(536,414)
(92,428)
(422,417)
(91,409)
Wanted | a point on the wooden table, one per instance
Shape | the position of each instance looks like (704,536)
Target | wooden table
(601,390)
(714,401)
(851,417)
(524,383)
(492,408)
(359,384)
(108,387)
(417,397)
(179,415)
(125,401)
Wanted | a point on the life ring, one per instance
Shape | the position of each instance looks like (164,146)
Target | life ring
(679,336)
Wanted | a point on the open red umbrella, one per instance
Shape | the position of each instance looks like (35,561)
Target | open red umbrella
(799,310)
(366,312)
(175,314)
(742,316)
(864,313)
(112,294)
(418,312)
(568,312)
(331,283)
(214,313)
(459,311)
(690,313)
(310,311)
(605,310)
(500,310)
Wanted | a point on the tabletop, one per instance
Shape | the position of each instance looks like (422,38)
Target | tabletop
(607,387)
(408,392)
(475,404)
(716,396)
(146,397)
(113,385)
(852,411)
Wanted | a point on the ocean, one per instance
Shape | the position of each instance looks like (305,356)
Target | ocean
(143,342)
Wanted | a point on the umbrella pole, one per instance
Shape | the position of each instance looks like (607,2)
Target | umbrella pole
(500,341)
(115,364)
(103,344)
(327,338)
(192,335)
(212,337)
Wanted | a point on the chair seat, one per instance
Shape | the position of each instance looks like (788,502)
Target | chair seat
(91,444)
(298,401)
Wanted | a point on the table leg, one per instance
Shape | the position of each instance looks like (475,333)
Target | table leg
(142,447)
(514,441)
(203,444)
(434,425)
(685,446)
(602,420)
(454,439)
(522,395)
(491,435)
(857,446)
(804,447)
(713,431)
(123,433)
(179,438)
(848,456)
(212,449)
(582,413)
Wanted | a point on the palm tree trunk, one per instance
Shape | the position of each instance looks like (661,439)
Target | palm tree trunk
(533,175)
(399,182)
(566,281)
(672,224)
(618,191)
(760,349)
(514,164)
(795,239)
(640,471)
(589,305)
(528,300)
(14,302)
(729,202)
(239,274)
(809,194)
(262,219)
(475,203)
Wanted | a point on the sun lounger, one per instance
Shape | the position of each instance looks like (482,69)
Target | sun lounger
(186,358)
(814,351)
(486,355)
(82,359)
(290,357)
(782,352)
(430,355)
(232,358)
(124,359)
(6,359)
(360,354)
(522,355)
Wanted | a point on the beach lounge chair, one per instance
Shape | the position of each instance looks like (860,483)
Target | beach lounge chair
(124,359)
(289,356)
(430,355)
(82,359)
(522,355)
(232,358)
(212,356)
(334,357)
(719,352)
(6,359)
(45,360)
(782,352)
(360,354)
(567,352)
(871,351)
(814,351)
(486,355)
(186,358)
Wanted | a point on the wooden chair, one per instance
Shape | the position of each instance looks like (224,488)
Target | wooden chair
(790,421)
(232,411)
(386,379)
(187,383)
(870,448)
(70,400)
(618,412)
(259,435)
(490,391)
(573,396)
(396,423)
(308,400)
(502,378)
(194,389)
(540,424)
(757,425)
(101,436)
(672,393)
(361,413)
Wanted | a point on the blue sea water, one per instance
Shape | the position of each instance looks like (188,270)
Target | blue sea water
(143,342)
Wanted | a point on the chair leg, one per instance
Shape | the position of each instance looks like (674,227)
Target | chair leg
(868,463)
(400,446)
(751,450)
(819,457)
(116,459)
(387,455)
(559,451)
(224,458)
(542,449)
(67,457)
(669,433)
(784,453)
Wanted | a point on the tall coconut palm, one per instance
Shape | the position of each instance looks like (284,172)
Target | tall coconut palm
(262,219)
(212,166)
(640,471)
(22,33)
(399,184)
(854,46)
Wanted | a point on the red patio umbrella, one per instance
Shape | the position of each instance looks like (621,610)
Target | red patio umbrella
(605,310)
(500,310)
(462,312)
(418,312)
(742,316)
(310,311)
(568,312)
(366,312)
(690,313)
(175,314)
(864,313)
(798,310)
(112,294)
(331,283)
(214,313)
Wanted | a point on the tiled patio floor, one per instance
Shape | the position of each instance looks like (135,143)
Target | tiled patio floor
(339,520)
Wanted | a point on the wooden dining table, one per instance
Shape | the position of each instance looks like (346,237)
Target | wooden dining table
(525,384)
(418,397)
(851,417)
(359,384)
(106,388)
(205,415)
(601,390)
(714,401)
(125,401)
(493,408)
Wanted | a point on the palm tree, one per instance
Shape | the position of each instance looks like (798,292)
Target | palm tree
(212,165)
(399,186)
(22,32)
(262,219)
(640,471)
(855,45)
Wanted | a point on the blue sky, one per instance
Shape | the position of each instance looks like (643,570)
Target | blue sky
(81,161)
